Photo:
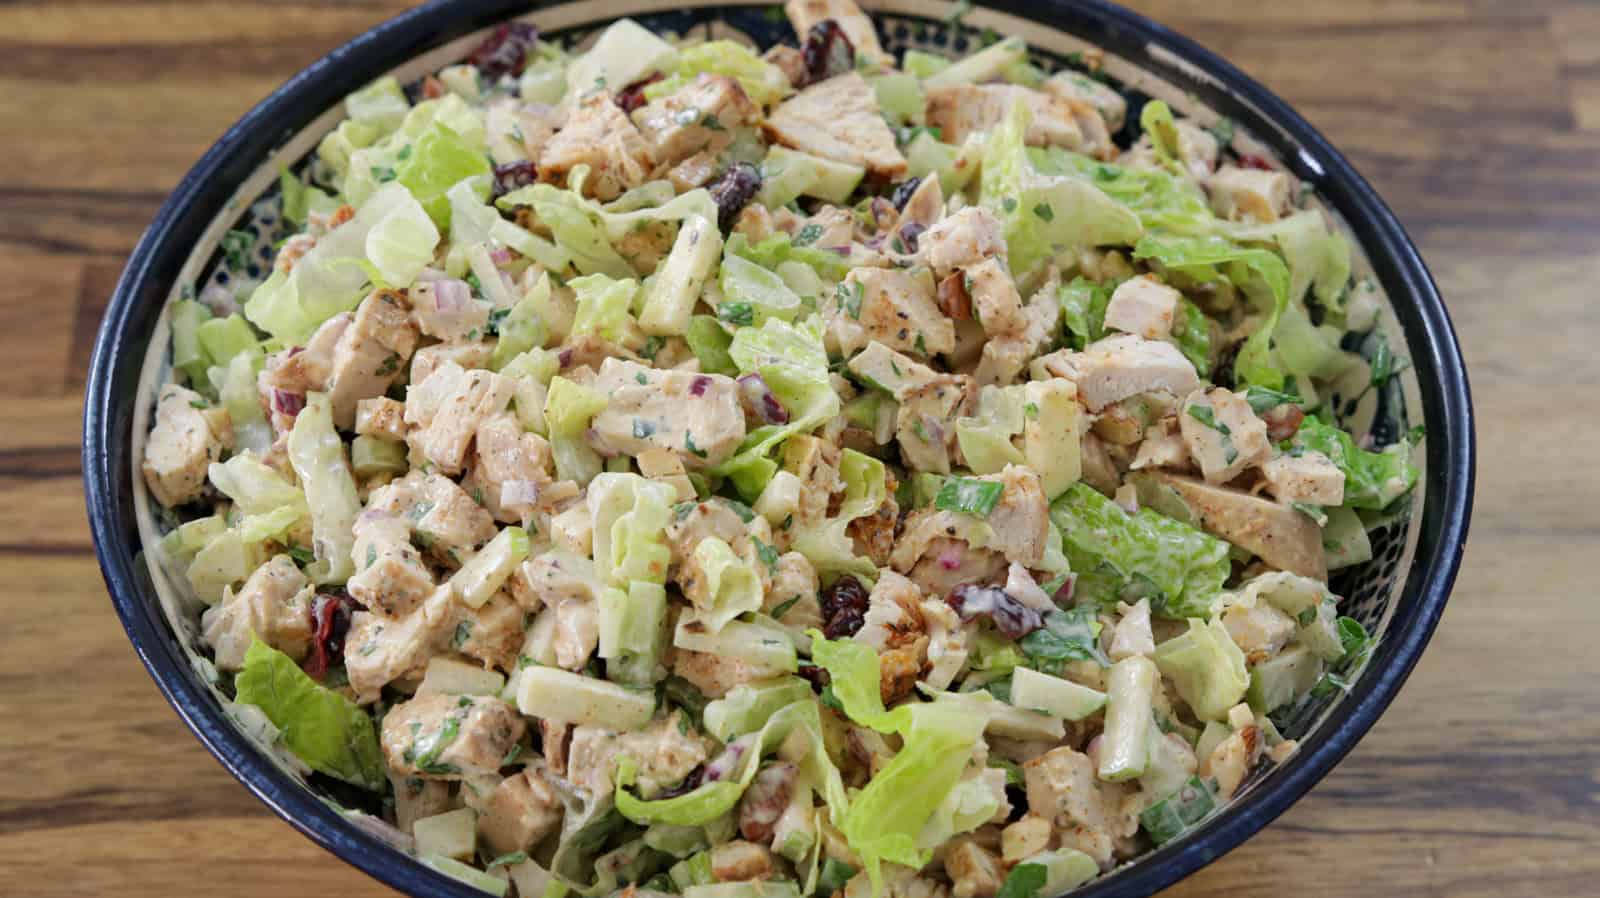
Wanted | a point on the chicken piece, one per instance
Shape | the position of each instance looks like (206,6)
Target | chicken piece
(555,737)
(898,882)
(1276,533)
(896,307)
(835,228)
(1114,368)
(792,596)
(450,737)
(1143,306)
(1258,629)
(697,416)
(803,14)
(537,122)
(491,633)
(600,135)
(894,613)
(292,373)
(1309,477)
(416,798)
(380,650)
(1162,447)
(899,668)
(1005,358)
(448,521)
(666,751)
(1230,762)
(873,535)
(1197,152)
(391,578)
(519,813)
(700,116)
(1062,787)
(695,171)
(665,466)
(428,359)
(974,871)
(960,110)
(714,674)
(964,238)
(921,212)
(815,462)
(555,577)
(371,353)
(1249,194)
(1099,468)
(741,861)
(695,523)
(1223,434)
(511,466)
(934,554)
(181,447)
(925,421)
(1020,521)
(995,299)
(949,643)
(577,632)
(766,799)
(1105,99)
(274,604)
(445,411)
(451,323)
(839,119)
(1025,838)
(382,418)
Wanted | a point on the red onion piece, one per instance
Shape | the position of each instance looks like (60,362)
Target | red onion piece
(287,403)
(450,296)
(430,274)
(950,557)
(501,256)
(759,398)
(699,385)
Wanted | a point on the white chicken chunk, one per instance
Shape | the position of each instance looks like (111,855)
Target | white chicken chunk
(1249,194)
(380,650)
(577,632)
(792,596)
(382,418)
(600,135)
(181,447)
(450,737)
(665,752)
(975,871)
(839,119)
(960,110)
(1004,358)
(896,307)
(519,813)
(714,674)
(1062,786)
(803,14)
(699,117)
(1258,629)
(429,359)
(925,421)
(1020,521)
(291,373)
(995,299)
(967,237)
(697,416)
(492,633)
(1120,366)
(1223,434)
(1309,477)
(1162,447)
(390,576)
(442,318)
(445,411)
(894,613)
(1144,307)
(933,552)
(371,353)
(274,604)
(1112,105)
(511,465)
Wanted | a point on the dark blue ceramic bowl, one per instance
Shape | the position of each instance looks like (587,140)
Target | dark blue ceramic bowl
(1401,593)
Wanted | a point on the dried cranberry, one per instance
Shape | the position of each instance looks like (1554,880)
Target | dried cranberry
(845,592)
(816,676)
(1251,160)
(846,622)
(689,784)
(827,52)
(513,175)
(632,97)
(733,190)
(330,621)
(1011,618)
(903,192)
(1063,594)
(505,52)
(287,403)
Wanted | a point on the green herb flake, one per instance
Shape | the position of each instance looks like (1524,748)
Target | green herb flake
(1044,212)
(767,554)
(808,235)
(382,173)
(688,444)
(643,429)
(850,295)
(737,314)
(968,496)
(782,608)
(1009,204)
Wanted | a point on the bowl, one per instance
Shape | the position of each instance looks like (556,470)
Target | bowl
(1399,595)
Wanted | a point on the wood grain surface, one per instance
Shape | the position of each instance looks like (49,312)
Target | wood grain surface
(1478,120)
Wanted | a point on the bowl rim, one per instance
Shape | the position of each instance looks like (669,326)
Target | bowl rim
(202,193)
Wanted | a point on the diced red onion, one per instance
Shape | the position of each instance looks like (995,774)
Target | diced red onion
(759,397)
(1063,594)
(841,250)
(430,274)
(699,385)
(950,557)
(502,256)
(565,358)
(450,296)
(725,763)
(287,403)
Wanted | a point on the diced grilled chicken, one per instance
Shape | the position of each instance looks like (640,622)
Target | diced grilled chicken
(600,135)
(1276,533)
(1143,306)
(1115,368)
(764,802)
(1249,194)
(577,632)
(1062,786)
(995,299)
(664,466)
(1025,838)
(696,416)
(416,798)
(898,882)
(429,359)
(712,519)
(390,576)
(1162,447)
(838,119)
(1021,519)
(1258,629)
(699,117)
(934,554)
(444,519)
(666,751)
(519,813)
(792,595)
(181,447)
(274,604)
(292,373)
(857,26)
(1111,105)
(714,674)
(381,417)
(511,467)
(450,736)
(1005,358)
(371,353)
(1223,433)
(555,577)
(815,462)
(1230,762)
(450,324)
(445,411)
(491,633)
(741,861)
(967,237)
(1308,477)
(959,110)
(894,613)
(925,421)
(975,872)
(896,307)
(380,650)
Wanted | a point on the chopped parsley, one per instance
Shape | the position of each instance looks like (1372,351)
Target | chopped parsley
(849,295)
(1044,212)
(391,364)
(643,429)
(462,635)
(783,607)
(808,235)
(1223,130)
(688,444)
(382,173)
(968,496)
(737,314)
(1009,204)
(768,554)
(495,318)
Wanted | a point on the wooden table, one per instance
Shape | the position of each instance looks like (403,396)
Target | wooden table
(1478,120)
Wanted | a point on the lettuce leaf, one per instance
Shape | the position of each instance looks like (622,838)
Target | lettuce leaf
(603,305)
(1163,201)
(780,248)
(630,517)
(758,293)
(586,230)
(828,546)
(1371,479)
(439,160)
(329,732)
(1117,554)
(1206,668)
(853,676)
(732,586)
(791,359)
(317,454)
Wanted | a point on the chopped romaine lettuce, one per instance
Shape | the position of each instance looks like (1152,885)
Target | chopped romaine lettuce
(1206,668)
(790,358)
(318,457)
(439,160)
(1372,480)
(329,732)
(762,81)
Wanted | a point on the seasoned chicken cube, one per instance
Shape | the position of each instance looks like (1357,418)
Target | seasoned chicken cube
(428,359)
(1143,306)
(292,373)
(1004,358)
(555,577)
(600,135)
(803,14)
(714,674)
(519,813)
(1021,519)
(1309,477)
(450,314)
(1258,629)
(934,554)
(741,861)
(390,576)
(1249,194)
(700,116)
(491,633)
(666,751)
(1105,99)
(815,462)
(577,632)
(1062,786)
(792,597)
(960,110)
(1162,447)
(895,307)
(665,466)
(1117,367)
(995,299)
(371,353)
(380,650)
(839,119)
(381,417)
(974,871)
(967,237)
(1278,534)
(925,421)
(181,447)
(448,521)
(445,411)
(1230,762)
(1223,433)
(1025,838)
(511,466)
(695,171)
(894,613)
(695,415)
(450,737)
(273,604)
(416,798)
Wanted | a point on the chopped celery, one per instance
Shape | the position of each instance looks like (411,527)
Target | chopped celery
(187,354)
(1170,817)
(484,573)
(371,455)
(549,692)
(1125,750)
(223,338)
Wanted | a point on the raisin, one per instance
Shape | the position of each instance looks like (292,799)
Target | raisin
(513,175)
(733,190)
(1011,618)
(827,52)
(816,676)
(505,51)
(846,592)
(632,97)
(903,192)
(846,622)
